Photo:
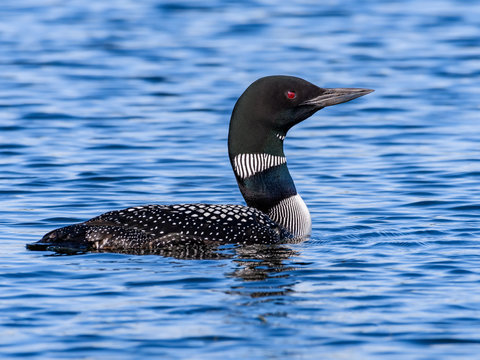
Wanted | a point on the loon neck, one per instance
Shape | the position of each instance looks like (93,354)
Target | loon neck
(260,167)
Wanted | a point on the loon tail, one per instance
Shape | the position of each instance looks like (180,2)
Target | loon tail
(69,239)
(92,236)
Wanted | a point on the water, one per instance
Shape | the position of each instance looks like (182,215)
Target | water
(105,105)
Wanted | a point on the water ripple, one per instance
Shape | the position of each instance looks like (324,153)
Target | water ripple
(106,105)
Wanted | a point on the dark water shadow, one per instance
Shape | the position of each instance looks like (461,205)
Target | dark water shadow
(262,270)
(243,254)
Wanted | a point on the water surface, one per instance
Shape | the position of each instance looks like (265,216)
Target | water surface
(105,105)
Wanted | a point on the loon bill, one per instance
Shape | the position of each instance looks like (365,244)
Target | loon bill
(275,212)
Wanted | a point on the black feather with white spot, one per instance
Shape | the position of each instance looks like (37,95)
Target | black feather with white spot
(155,226)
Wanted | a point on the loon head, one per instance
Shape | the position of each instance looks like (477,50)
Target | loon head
(260,121)
(271,105)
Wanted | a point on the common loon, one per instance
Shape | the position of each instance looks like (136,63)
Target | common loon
(275,213)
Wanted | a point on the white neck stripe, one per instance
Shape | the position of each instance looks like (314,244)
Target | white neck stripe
(246,165)
(292,214)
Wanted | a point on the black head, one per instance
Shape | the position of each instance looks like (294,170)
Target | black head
(274,104)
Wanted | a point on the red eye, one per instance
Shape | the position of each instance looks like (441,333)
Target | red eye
(291,94)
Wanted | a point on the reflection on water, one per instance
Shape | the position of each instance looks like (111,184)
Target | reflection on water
(257,263)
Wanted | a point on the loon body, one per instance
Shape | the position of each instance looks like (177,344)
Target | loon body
(275,212)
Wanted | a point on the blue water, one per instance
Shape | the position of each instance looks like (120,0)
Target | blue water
(110,104)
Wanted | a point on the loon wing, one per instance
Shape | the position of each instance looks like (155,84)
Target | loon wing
(148,228)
